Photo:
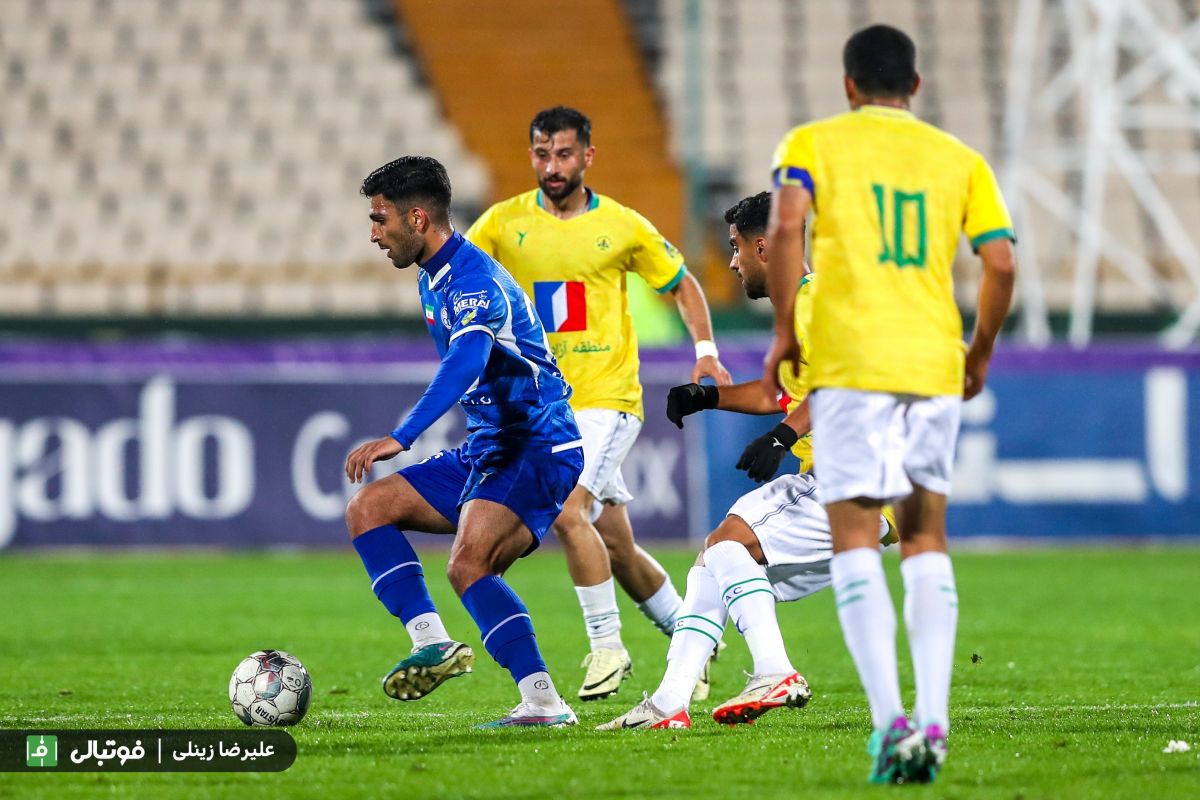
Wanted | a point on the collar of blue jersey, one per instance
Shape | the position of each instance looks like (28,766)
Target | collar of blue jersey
(593,200)
(884,111)
(439,263)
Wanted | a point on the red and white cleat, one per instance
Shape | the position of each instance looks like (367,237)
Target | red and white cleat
(762,693)
(647,716)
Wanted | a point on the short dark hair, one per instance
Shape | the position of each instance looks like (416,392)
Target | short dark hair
(882,61)
(749,215)
(562,118)
(413,178)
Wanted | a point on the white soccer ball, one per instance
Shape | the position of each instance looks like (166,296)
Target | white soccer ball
(270,687)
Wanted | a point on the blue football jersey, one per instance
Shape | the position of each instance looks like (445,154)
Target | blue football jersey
(521,396)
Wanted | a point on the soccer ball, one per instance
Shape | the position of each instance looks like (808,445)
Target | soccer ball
(270,687)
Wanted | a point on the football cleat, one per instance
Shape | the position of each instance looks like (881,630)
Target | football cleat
(647,716)
(528,715)
(428,668)
(895,750)
(928,756)
(762,693)
(606,668)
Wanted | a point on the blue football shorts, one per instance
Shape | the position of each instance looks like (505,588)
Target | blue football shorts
(533,482)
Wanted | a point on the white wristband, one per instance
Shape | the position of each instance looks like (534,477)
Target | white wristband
(706,347)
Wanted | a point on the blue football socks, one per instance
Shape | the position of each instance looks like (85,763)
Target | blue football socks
(396,575)
(505,626)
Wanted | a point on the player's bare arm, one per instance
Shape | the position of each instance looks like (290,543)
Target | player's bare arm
(745,398)
(995,298)
(693,309)
(785,232)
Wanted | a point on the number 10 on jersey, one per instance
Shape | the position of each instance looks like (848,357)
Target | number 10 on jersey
(902,235)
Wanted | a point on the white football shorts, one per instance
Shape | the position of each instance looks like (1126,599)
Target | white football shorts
(793,530)
(608,436)
(877,444)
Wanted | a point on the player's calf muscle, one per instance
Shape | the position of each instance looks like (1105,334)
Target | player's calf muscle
(490,538)
(464,569)
(476,556)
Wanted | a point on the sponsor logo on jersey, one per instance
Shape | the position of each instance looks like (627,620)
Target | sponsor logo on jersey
(472,300)
(562,305)
(521,237)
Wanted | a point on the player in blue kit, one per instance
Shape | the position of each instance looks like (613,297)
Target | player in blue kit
(503,488)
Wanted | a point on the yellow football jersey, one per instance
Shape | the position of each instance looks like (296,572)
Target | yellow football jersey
(796,384)
(891,195)
(574,270)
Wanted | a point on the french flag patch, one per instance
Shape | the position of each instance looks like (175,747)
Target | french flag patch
(562,305)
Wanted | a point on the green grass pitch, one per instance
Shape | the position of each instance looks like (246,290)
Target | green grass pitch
(1073,670)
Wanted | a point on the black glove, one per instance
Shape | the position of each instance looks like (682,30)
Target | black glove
(761,457)
(688,399)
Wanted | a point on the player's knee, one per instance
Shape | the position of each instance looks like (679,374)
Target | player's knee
(733,529)
(714,538)
(358,515)
(572,521)
(723,533)
(366,511)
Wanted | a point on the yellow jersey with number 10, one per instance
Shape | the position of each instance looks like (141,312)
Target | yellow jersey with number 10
(574,270)
(891,196)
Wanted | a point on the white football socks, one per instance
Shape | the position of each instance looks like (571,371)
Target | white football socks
(747,594)
(931,616)
(600,614)
(539,690)
(662,607)
(868,618)
(426,629)
(697,631)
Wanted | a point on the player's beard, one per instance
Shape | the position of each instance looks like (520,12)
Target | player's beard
(755,289)
(407,250)
(570,185)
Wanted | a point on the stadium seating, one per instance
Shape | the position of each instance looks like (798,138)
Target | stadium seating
(736,76)
(175,157)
